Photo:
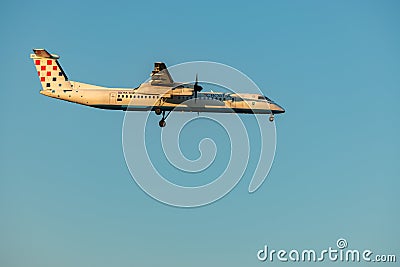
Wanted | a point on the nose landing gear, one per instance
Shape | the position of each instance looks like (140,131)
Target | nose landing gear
(271,117)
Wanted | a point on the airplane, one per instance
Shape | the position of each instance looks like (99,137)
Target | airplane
(160,94)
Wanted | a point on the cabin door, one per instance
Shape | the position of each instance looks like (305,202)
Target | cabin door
(113,98)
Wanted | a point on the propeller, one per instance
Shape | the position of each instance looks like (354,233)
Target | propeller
(196,87)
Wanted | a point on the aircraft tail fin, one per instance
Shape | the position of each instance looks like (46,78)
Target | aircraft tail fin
(50,73)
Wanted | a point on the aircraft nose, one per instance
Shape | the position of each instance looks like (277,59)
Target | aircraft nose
(277,108)
(280,109)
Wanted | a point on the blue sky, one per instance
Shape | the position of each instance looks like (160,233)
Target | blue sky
(66,195)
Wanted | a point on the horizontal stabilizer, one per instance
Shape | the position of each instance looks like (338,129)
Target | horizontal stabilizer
(43,53)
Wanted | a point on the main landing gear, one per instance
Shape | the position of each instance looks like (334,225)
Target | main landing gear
(158,111)
(162,123)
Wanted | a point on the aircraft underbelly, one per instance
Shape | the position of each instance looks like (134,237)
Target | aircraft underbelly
(181,108)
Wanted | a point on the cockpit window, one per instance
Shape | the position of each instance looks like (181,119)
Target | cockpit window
(263,97)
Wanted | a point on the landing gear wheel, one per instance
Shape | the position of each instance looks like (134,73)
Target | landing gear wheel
(158,111)
(162,123)
(271,118)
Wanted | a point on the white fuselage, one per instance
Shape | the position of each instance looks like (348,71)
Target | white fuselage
(139,99)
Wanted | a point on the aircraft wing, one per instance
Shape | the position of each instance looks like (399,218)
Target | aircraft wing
(160,75)
(162,83)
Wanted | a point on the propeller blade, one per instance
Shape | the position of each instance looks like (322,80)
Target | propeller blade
(196,86)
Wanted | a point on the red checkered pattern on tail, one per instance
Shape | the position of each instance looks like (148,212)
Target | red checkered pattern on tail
(50,73)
